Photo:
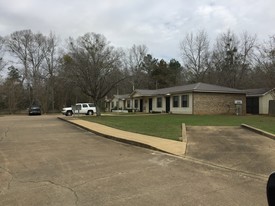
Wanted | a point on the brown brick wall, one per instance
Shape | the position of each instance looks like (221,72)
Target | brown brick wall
(215,103)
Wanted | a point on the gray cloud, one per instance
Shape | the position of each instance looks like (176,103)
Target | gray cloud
(159,24)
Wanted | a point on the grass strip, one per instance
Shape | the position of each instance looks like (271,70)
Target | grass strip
(169,126)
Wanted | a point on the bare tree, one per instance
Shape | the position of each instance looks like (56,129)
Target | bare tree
(266,62)
(135,64)
(95,66)
(36,58)
(246,59)
(13,89)
(28,49)
(2,42)
(232,59)
(18,44)
(195,54)
(50,67)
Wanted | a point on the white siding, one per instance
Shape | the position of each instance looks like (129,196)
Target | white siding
(128,104)
(158,109)
(146,104)
(120,104)
(264,103)
(180,109)
(176,110)
(114,104)
(136,106)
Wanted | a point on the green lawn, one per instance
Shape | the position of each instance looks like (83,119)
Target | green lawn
(169,126)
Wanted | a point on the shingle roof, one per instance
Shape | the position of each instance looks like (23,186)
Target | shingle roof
(124,96)
(202,87)
(145,92)
(256,92)
(198,87)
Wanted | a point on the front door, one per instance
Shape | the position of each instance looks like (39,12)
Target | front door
(252,105)
(141,105)
(167,104)
(150,105)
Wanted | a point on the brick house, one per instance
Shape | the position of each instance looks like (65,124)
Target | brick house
(199,98)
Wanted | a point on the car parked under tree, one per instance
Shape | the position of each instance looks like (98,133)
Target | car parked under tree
(80,108)
(34,110)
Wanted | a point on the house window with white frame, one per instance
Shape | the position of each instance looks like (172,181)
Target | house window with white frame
(185,101)
(128,103)
(159,102)
(175,101)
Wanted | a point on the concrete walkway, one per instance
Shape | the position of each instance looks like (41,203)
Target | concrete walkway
(165,145)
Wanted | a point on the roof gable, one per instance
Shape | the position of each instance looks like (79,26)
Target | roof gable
(258,92)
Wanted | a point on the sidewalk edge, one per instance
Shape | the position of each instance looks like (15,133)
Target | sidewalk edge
(132,142)
(259,131)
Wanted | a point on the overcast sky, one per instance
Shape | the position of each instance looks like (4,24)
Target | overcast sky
(159,24)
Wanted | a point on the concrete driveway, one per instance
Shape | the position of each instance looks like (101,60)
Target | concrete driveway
(45,161)
(232,147)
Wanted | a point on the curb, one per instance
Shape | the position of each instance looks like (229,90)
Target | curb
(184,136)
(131,142)
(259,131)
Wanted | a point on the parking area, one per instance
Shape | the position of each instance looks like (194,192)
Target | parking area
(45,161)
(235,148)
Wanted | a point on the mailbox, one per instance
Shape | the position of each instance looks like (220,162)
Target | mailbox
(238,106)
(238,102)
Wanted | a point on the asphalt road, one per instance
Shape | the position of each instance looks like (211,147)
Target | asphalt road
(46,161)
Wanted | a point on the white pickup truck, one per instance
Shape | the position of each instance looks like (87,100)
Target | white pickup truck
(80,108)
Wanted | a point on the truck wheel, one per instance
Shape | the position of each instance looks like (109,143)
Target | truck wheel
(90,112)
(69,113)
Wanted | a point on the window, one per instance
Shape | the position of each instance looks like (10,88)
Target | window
(128,103)
(184,101)
(175,101)
(136,103)
(159,102)
(85,105)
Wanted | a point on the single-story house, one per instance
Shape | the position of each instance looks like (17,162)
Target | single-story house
(199,98)
(257,100)
(118,102)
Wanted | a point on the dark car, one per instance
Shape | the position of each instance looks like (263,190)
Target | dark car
(34,110)
(270,189)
